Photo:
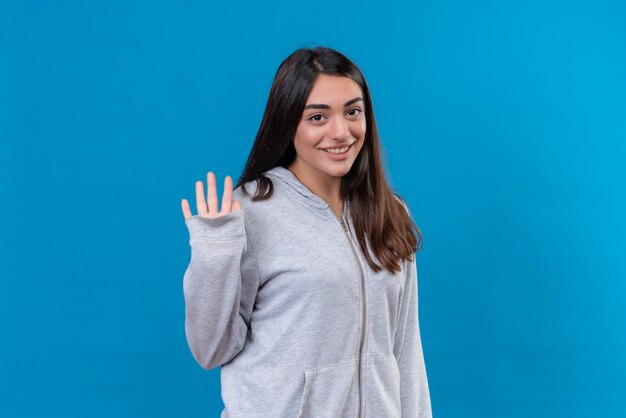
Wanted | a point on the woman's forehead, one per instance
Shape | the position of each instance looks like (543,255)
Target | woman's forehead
(334,91)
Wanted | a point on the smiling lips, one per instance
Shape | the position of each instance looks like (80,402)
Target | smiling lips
(337,150)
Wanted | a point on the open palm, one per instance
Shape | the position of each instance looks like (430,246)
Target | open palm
(211,211)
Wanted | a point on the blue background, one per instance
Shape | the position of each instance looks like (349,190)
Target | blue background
(504,126)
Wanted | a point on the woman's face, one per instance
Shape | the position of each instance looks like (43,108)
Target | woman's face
(333,118)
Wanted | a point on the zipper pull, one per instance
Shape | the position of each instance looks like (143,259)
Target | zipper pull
(345,228)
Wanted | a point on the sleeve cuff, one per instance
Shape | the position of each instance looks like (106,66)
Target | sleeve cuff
(227,226)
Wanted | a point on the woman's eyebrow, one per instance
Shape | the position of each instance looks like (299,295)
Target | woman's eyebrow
(325,106)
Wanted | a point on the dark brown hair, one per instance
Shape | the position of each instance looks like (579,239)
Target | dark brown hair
(377,215)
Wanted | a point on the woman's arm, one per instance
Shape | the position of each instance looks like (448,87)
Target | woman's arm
(414,392)
(220,286)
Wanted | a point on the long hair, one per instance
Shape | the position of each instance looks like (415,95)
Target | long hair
(378,216)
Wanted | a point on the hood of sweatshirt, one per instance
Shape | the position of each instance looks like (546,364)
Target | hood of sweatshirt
(289,178)
(279,295)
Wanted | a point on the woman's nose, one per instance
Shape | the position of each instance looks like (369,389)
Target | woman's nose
(339,128)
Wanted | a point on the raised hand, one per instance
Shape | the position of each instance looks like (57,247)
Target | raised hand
(228,205)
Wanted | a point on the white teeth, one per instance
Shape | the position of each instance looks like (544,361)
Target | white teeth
(336,150)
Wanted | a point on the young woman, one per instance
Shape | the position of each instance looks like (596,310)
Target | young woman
(303,286)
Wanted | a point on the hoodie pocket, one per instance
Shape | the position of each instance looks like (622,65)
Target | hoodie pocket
(329,391)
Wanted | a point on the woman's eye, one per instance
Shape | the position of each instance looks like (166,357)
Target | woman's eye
(318,117)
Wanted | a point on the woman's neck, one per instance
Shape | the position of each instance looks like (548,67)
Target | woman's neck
(328,188)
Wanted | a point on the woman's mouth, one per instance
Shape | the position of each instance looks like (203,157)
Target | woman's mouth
(337,151)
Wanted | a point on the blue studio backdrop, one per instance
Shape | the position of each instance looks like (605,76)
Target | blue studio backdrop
(504,127)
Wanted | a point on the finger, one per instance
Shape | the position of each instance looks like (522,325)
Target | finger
(186,211)
(236,206)
(228,195)
(200,202)
(212,192)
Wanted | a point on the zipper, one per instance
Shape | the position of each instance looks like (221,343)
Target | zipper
(363,310)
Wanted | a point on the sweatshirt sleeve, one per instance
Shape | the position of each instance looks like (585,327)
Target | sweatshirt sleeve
(414,391)
(219,287)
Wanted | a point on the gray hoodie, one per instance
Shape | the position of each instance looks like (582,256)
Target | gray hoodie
(280,296)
